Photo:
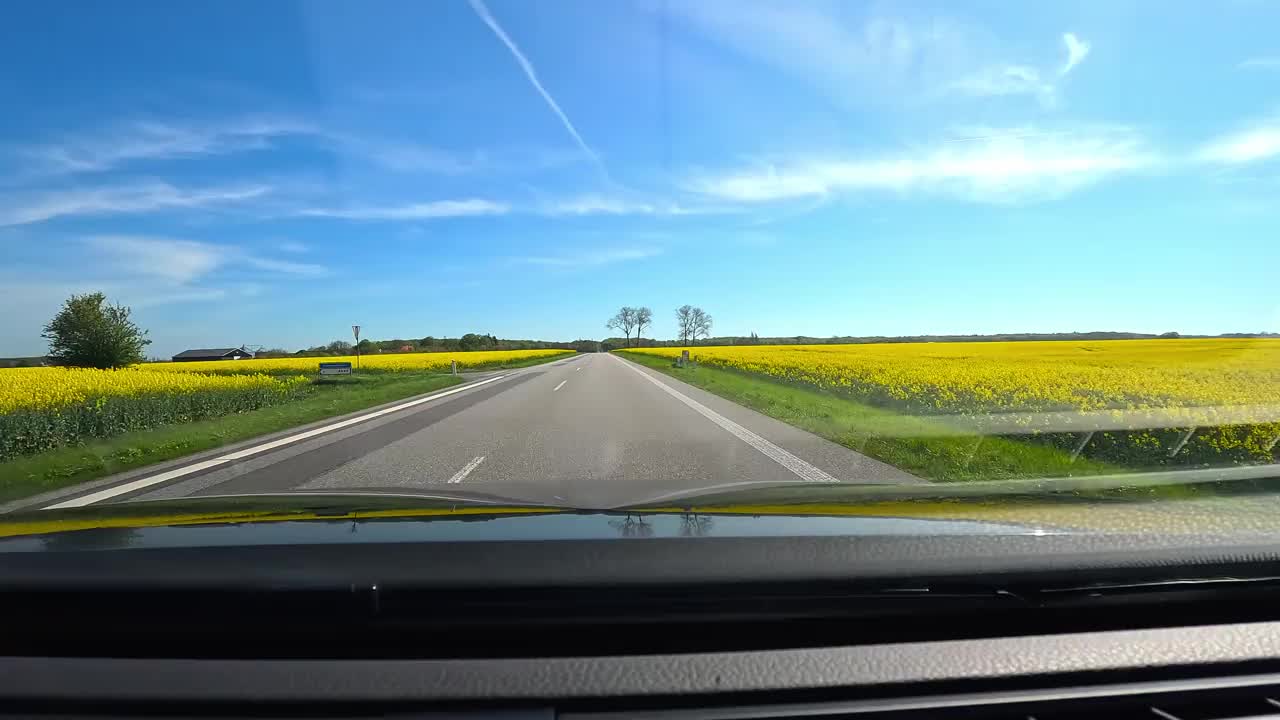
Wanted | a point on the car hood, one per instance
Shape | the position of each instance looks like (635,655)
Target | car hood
(320,519)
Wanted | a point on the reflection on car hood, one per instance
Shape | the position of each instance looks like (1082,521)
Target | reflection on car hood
(290,519)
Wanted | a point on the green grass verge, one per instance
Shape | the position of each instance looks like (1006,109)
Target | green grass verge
(68,466)
(863,428)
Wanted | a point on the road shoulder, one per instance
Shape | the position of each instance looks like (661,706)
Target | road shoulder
(842,463)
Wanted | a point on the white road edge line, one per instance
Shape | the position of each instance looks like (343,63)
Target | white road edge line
(240,454)
(562,382)
(801,468)
(466,470)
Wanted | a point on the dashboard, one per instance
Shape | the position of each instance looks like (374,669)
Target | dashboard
(626,630)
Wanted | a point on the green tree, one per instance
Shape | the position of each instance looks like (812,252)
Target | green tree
(87,332)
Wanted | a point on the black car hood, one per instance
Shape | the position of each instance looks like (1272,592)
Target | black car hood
(321,519)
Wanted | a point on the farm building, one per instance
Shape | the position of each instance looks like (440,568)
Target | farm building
(213,354)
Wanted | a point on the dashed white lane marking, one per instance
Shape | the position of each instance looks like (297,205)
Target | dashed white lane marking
(801,468)
(239,454)
(466,470)
(562,382)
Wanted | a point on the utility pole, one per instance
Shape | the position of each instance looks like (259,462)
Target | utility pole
(355,330)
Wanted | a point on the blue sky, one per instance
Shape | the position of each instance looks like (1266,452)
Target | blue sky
(271,173)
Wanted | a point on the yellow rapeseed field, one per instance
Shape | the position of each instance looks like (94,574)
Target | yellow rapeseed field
(985,377)
(1127,402)
(55,388)
(45,408)
(390,362)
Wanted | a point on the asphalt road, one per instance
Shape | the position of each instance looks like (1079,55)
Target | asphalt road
(590,431)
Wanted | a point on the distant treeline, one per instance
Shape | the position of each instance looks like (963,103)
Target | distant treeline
(612,343)
(15,362)
(466,343)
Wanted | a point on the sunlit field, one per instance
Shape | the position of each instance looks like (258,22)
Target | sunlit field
(1202,400)
(43,408)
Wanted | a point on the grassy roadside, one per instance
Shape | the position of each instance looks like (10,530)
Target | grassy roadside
(861,428)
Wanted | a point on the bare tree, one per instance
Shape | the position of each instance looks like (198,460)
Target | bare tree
(644,319)
(684,322)
(700,325)
(625,321)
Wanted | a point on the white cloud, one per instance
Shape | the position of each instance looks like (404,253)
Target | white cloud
(591,258)
(483,12)
(598,205)
(149,140)
(122,199)
(414,211)
(286,266)
(1015,79)
(764,185)
(177,261)
(1077,51)
(181,262)
(292,246)
(1007,80)
(989,165)
(851,54)
(1253,144)
(1261,63)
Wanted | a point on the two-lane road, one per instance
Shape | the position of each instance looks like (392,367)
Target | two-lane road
(592,431)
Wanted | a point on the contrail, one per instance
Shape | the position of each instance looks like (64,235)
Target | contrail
(487,17)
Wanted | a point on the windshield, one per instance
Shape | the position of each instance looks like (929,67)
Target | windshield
(1005,268)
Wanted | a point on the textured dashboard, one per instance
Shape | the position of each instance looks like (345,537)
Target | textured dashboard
(536,679)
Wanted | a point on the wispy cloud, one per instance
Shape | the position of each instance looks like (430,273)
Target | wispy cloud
(1261,141)
(174,260)
(470,207)
(180,262)
(406,157)
(150,140)
(487,17)
(115,147)
(1008,80)
(598,205)
(1018,79)
(625,204)
(287,267)
(591,258)
(292,246)
(986,165)
(1077,51)
(22,209)
(837,47)
(1270,62)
